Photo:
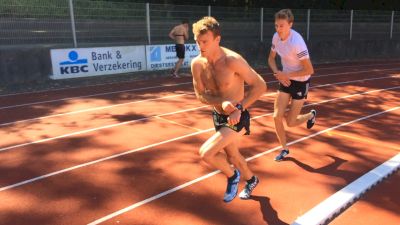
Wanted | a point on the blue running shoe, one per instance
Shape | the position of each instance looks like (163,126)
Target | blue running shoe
(232,187)
(282,155)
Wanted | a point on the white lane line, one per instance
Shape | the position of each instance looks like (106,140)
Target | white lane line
(95,129)
(179,124)
(161,86)
(155,197)
(132,81)
(147,118)
(334,99)
(100,160)
(92,95)
(350,96)
(165,97)
(333,205)
(90,109)
(350,66)
(348,82)
(352,72)
(87,86)
(146,147)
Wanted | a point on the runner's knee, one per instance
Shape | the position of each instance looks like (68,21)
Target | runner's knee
(205,152)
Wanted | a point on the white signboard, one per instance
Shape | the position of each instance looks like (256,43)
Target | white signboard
(82,62)
(161,57)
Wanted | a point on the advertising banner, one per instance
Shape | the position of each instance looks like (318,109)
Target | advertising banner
(161,57)
(82,62)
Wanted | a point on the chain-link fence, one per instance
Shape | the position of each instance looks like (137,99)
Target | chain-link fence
(32,22)
(395,31)
(164,17)
(83,23)
(330,24)
(99,23)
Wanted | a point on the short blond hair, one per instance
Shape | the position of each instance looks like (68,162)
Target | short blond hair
(207,23)
(285,14)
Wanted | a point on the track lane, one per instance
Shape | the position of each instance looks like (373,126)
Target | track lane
(21,135)
(111,172)
(71,204)
(82,151)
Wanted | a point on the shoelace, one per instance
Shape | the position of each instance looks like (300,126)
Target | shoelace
(251,186)
(313,119)
(283,153)
(231,184)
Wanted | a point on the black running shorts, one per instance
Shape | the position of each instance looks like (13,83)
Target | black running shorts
(221,120)
(180,51)
(297,89)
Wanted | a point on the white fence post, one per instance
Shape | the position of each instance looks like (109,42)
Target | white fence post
(71,13)
(351,24)
(308,24)
(391,25)
(262,25)
(148,22)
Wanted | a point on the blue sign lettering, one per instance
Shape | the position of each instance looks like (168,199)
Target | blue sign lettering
(71,65)
(170,48)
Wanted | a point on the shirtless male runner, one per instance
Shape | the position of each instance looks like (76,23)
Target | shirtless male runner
(179,34)
(219,75)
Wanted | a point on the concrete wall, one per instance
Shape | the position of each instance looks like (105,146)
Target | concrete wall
(333,51)
(24,65)
(33,65)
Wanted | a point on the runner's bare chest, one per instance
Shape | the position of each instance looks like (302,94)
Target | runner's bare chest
(217,78)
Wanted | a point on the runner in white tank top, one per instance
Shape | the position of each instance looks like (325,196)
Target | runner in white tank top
(294,78)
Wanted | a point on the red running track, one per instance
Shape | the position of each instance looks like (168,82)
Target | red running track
(76,156)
